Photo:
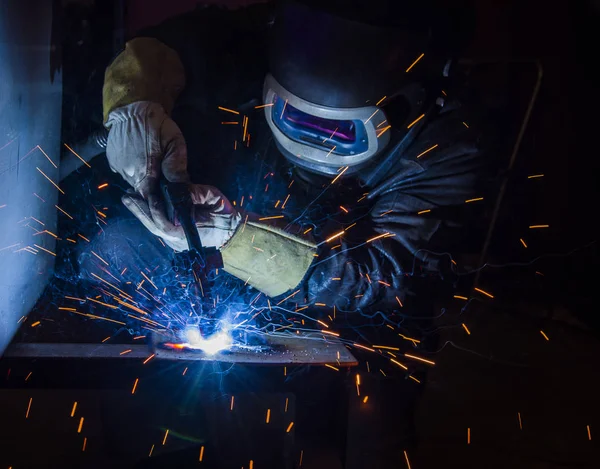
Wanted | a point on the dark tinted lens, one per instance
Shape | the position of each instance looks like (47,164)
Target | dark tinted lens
(326,128)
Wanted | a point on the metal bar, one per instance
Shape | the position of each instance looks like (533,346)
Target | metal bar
(307,350)
(43,350)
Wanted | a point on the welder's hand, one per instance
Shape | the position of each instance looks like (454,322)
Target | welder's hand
(143,144)
(216,219)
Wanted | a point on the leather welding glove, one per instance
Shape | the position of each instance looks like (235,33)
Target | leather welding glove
(143,144)
(216,219)
(264,256)
(139,92)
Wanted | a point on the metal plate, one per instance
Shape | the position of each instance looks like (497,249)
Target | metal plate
(301,349)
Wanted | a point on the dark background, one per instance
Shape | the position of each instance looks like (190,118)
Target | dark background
(505,367)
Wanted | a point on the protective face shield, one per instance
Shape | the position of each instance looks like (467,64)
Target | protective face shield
(323,139)
(329,74)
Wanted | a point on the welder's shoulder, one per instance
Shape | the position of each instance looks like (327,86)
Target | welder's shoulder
(463,130)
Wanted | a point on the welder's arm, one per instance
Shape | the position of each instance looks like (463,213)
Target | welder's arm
(264,256)
(144,143)
(369,264)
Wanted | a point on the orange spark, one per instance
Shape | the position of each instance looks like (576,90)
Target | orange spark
(201,457)
(415,62)
(52,162)
(458,297)
(80,425)
(268,417)
(332,367)
(427,151)
(419,358)
(484,292)
(424,211)
(149,358)
(73,151)
(539,226)
(263,105)
(398,363)
(344,209)
(376,111)
(523,243)
(53,183)
(228,110)
(73,409)
(377,237)
(520,422)
(363,347)
(289,428)
(270,218)
(28,407)
(44,249)
(99,257)
(84,443)
(288,297)
(384,130)
(334,236)
(589,432)
(407,461)
(533,176)
(331,151)
(37,323)
(366,398)
(232,402)
(415,121)
(465,124)
(245,129)
(64,212)
(165,438)
(468,435)
(545,336)
(473,200)
(466,328)
(144,275)
(385,347)
(340,175)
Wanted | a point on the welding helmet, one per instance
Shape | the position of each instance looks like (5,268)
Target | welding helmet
(337,69)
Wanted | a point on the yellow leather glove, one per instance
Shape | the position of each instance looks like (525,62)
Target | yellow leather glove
(268,258)
(146,70)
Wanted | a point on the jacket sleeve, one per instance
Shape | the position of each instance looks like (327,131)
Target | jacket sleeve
(370,263)
(147,70)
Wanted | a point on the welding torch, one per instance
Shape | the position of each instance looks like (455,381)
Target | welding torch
(198,259)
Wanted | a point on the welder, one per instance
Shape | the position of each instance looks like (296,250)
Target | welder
(352,104)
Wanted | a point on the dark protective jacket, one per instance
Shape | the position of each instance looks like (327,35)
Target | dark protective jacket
(413,194)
